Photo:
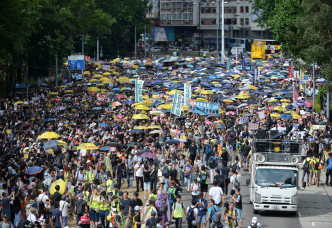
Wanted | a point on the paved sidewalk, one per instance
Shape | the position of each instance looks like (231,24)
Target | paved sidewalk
(316,205)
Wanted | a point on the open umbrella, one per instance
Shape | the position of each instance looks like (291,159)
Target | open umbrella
(105,148)
(104,125)
(172,141)
(34,170)
(286,116)
(61,184)
(132,144)
(51,144)
(135,131)
(87,146)
(140,152)
(148,155)
(218,124)
(113,144)
(49,135)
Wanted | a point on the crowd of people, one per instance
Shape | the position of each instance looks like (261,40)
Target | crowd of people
(67,151)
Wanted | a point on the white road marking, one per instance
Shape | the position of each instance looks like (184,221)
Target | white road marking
(299,213)
(313,224)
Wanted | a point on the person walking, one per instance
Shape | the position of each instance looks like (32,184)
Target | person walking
(328,167)
(230,216)
(213,214)
(202,210)
(138,174)
(104,208)
(237,199)
(178,212)
(187,174)
(94,207)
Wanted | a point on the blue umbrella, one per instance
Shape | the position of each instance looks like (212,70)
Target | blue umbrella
(290,107)
(97,108)
(105,148)
(51,144)
(286,116)
(105,125)
(136,131)
(172,141)
(128,102)
(49,119)
(34,170)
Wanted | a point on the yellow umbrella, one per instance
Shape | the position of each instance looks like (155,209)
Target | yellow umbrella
(251,87)
(296,116)
(100,84)
(62,185)
(49,135)
(207,92)
(93,80)
(140,117)
(142,107)
(62,143)
(86,72)
(242,96)
(63,86)
(273,100)
(185,107)
(275,115)
(87,146)
(154,127)
(279,108)
(228,100)
(69,91)
(140,127)
(104,79)
(201,99)
(135,66)
(97,76)
(93,89)
(165,106)
(106,73)
(53,93)
(284,100)
(172,92)
(18,102)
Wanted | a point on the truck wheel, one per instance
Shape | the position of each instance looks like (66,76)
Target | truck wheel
(255,212)
(250,201)
(293,213)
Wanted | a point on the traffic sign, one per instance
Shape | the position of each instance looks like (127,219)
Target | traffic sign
(305,77)
(76,62)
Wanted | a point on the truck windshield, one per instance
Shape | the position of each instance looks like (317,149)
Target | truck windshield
(276,177)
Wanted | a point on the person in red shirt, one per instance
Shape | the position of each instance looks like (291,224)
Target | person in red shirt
(85,220)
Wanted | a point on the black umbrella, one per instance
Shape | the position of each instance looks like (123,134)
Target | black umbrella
(113,144)
(132,144)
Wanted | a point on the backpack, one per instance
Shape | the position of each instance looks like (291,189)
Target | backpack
(172,194)
(236,183)
(187,172)
(165,172)
(190,215)
(208,149)
(216,216)
(28,208)
(41,206)
(220,181)
(212,162)
(162,206)
(79,209)
(329,162)
(306,165)
(130,167)
(203,177)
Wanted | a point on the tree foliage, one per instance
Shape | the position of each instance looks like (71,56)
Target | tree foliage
(304,27)
(43,29)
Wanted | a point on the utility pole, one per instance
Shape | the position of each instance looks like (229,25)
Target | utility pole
(56,70)
(144,41)
(135,44)
(82,44)
(328,104)
(222,31)
(218,21)
(97,49)
(26,72)
(314,86)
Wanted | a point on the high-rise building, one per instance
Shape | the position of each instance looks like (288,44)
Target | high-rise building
(195,23)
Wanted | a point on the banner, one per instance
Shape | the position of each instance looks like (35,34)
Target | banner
(203,108)
(243,64)
(177,104)
(187,94)
(253,126)
(138,90)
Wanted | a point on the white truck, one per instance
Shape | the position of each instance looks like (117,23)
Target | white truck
(273,182)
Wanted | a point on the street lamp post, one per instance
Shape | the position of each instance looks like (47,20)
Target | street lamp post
(218,21)
(222,31)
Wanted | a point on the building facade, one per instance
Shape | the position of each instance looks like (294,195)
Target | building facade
(195,23)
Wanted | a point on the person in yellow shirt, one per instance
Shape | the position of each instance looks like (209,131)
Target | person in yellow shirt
(94,207)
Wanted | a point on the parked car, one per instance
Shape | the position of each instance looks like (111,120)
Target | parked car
(155,49)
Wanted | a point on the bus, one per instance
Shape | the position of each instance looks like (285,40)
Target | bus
(261,48)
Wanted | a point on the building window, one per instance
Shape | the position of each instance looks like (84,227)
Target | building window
(169,16)
(234,9)
(179,16)
(202,21)
(185,4)
(247,21)
(190,16)
(246,32)
(228,9)
(228,21)
(241,21)
(247,9)
(234,21)
(213,21)
(173,16)
(207,10)
(202,10)
(163,17)
(241,9)
(185,16)
(214,10)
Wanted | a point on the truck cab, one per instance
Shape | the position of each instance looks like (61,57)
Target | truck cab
(274,175)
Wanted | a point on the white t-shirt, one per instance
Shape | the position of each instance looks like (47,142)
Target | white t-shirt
(195,188)
(64,206)
(32,218)
(216,194)
(232,180)
(195,210)
(42,197)
(139,170)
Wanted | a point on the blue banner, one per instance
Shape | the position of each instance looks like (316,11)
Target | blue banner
(243,64)
(76,64)
(203,108)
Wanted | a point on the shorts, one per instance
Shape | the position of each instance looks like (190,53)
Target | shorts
(147,186)
(204,188)
(94,216)
(239,213)
(244,159)
(202,219)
